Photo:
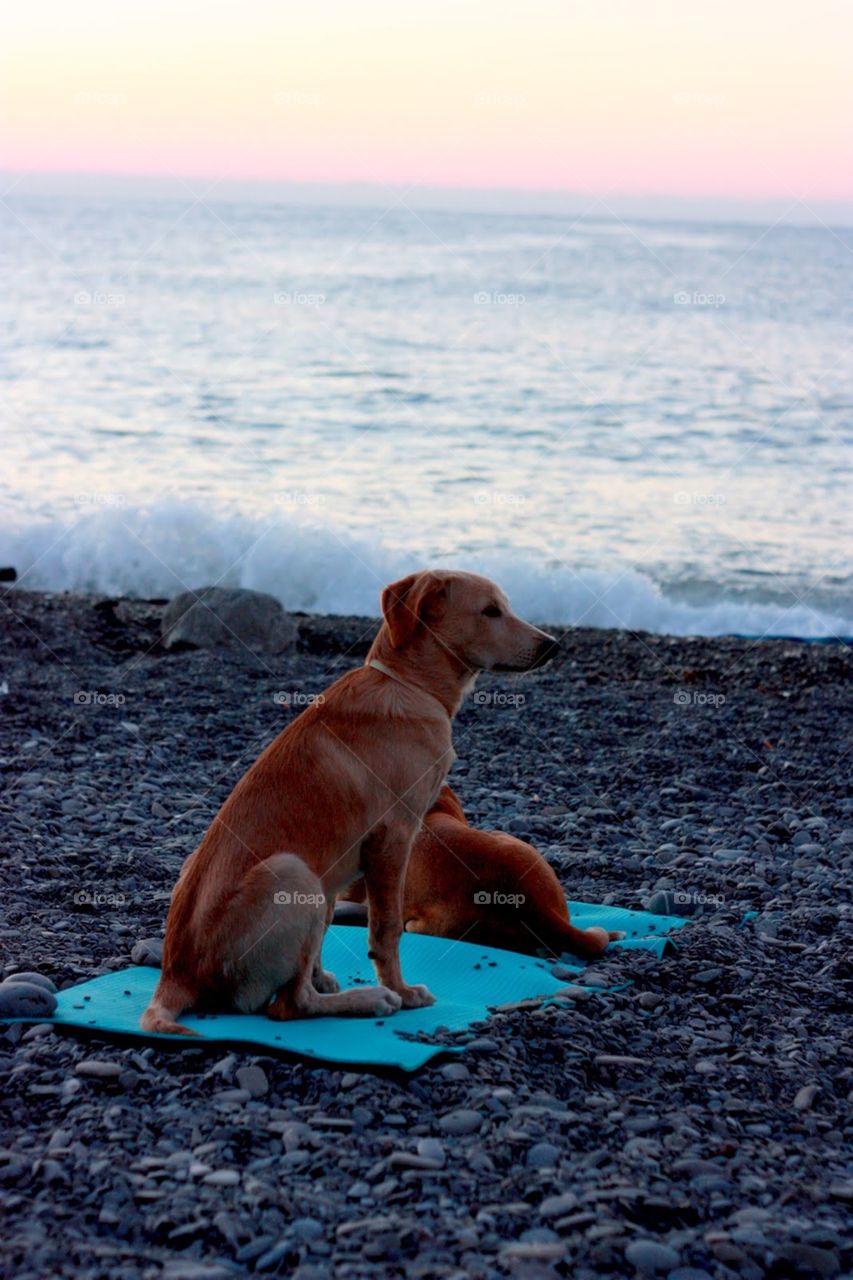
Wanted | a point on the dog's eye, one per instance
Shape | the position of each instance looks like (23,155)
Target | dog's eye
(491,611)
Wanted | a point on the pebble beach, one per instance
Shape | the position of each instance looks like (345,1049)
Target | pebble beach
(680,1117)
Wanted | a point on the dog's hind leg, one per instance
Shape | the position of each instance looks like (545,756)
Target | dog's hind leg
(275,959)
(321,980)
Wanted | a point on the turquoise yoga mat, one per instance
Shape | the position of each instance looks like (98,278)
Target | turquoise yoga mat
(466,980)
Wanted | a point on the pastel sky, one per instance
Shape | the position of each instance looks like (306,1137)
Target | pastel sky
(740,98)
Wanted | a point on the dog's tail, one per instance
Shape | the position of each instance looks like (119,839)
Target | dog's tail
(168,1001)
(560,936)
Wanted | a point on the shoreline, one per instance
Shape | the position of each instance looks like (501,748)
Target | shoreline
(645,768)
(141,611)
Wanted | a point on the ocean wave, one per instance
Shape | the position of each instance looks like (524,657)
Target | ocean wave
(316,567)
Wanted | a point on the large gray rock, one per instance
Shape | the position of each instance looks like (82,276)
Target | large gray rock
(148,951)
(25,1000)
(227,618)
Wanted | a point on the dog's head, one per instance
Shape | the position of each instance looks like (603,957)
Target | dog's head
(465,616)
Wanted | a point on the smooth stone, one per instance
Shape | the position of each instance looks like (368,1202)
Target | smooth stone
(148,951)
(806,1096)
(409,1160)
(25,1000)
(539,1235)
(455,1071)
(232,1095)
(543,1155)
(556,1206)
(253,1079)
(98,1069)
(273,1256)
(187,1269)
(222,1178)
(809,1257)
(461,1122)
(227,618)
(431,1149)
(33,980)
(651,1257)
(307,1228)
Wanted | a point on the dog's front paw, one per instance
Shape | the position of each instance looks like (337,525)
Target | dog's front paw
(387,1001)
(416,997)
(324,982)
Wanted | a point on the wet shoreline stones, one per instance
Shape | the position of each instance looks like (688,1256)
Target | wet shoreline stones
(687,1122)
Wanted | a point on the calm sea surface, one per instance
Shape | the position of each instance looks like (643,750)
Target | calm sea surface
(642,424)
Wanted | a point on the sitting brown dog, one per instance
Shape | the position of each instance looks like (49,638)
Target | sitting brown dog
(485,887)
(339,794)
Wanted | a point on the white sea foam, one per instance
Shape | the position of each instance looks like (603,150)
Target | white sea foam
(317,567)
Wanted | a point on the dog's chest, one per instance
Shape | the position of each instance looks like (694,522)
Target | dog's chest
(438,776)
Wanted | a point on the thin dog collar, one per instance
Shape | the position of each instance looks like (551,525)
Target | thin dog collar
(386,671)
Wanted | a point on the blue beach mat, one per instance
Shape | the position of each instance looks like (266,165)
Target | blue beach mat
(467,981)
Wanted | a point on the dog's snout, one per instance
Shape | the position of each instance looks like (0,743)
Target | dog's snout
(549,647)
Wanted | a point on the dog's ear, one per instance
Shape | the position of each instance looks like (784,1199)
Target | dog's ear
(409,603)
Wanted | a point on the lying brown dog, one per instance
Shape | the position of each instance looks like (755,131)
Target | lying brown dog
(486,887)
(339,794)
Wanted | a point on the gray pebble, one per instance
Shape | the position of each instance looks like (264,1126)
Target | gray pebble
(98,1069)
(148,951)
(222,1178)
(557,1206)
(460,1122)
(543,1155)
(662,903)
(432,1149)
(809,1257)
(33,980)
(650,1257)
(25,1000)
(805,1097)
(455,1071)
(253,1079)
(307,1228)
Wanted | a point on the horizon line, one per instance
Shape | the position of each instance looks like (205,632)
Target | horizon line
(494,199)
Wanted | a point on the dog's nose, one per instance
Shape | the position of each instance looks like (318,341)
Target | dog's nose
(549,647)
